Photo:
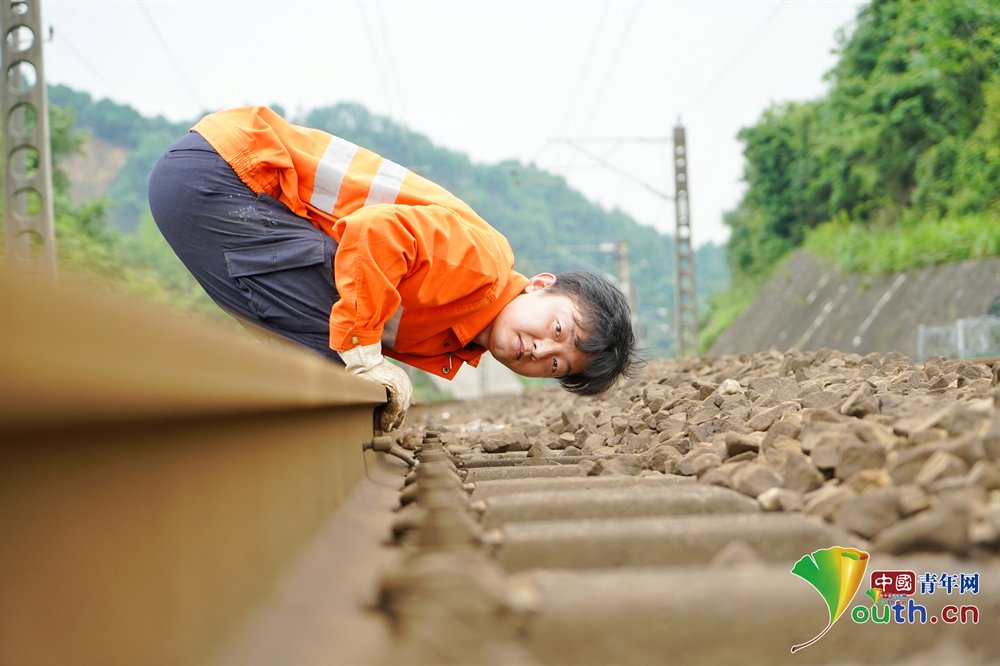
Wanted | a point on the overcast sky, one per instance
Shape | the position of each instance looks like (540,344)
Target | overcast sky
(495,80)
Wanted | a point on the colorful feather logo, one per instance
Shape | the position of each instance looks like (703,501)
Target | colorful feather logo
(836,573)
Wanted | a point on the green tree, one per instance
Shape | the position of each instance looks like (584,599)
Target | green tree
(910,82)
(907,132)
(783,197)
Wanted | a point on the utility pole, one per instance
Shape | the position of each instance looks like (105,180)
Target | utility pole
(625,282)
(29,227)
(623,277)
(685,324)
(685,298)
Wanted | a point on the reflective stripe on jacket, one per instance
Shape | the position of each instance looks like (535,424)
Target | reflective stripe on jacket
(410,254)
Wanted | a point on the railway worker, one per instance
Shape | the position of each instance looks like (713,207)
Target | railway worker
(337,249)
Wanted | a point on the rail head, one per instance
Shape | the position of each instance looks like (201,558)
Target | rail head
(69,354)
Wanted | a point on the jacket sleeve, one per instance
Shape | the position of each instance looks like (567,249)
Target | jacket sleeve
(428,253)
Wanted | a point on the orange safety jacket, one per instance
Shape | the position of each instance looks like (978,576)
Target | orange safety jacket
(416,268)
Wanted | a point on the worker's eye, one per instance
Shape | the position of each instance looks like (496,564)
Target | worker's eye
(558,329)
(555,366)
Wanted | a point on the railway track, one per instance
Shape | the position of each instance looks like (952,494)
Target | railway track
(246,515)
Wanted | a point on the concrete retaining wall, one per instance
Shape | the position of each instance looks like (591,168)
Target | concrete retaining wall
(809,304)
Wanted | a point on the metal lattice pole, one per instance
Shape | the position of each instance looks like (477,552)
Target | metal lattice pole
(685,298)
(625,282)
(29,228)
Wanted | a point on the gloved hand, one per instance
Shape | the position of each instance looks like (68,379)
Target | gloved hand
(368,363)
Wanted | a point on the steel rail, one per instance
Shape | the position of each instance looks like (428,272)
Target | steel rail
(156,474)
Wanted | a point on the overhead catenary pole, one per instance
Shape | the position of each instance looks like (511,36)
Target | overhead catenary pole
(625,282)
(685,298)
(29,228)
(685,324)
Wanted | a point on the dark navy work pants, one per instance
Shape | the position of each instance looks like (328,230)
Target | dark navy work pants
(254,257)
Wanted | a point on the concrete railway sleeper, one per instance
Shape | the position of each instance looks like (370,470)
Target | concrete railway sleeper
(619,569)
(552,570)
(483,461)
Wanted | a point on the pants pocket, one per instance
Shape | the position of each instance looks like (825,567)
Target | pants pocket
(288,284)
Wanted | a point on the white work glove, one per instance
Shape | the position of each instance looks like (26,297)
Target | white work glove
(368,363)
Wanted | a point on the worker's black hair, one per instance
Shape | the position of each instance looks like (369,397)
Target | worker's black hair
(606,336)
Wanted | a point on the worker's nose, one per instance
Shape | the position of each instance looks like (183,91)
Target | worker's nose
(543,348)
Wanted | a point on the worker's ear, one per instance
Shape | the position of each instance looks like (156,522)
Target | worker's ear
(540,281)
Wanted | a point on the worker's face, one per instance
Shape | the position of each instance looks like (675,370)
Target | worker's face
(535,335)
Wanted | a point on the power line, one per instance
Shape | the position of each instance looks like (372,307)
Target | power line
(591,50)
(736,56)
(170,55)
(382,78)
(83,59)
(612,66)
(586,64)
(385,64)
(617,139)
(604,84)
(573,165)
(393,78)
(617,169)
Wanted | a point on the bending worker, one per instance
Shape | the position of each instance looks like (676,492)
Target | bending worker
(335,248)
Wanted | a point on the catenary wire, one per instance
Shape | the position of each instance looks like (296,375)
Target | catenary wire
(390,57)
(63,39)
(736,56)
(377,56)
(612,66)
(587,64)
(166,48)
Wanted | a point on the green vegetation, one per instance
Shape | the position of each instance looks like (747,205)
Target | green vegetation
(897,167)
(857,249)
(726,306)
(139,264)
(144,138)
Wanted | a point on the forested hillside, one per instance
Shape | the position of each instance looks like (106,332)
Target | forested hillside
(550,226)
(897,167)
(909,134)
